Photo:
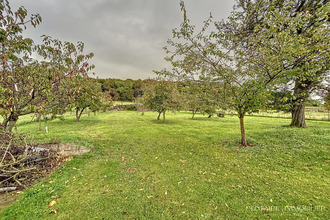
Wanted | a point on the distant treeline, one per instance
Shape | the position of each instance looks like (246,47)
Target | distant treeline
(123,90)
(129,89)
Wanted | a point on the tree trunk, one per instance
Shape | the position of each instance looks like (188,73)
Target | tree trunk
(193,114)
(5,121)
(159,113)
(82,110)
(243,137)
(298,116)
(10,122)
(39,120)
(164,116)
(79,113)
(301,90)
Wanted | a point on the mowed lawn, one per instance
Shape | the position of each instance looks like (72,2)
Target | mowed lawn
(141,168)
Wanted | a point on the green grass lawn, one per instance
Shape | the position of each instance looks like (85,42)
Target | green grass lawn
(141,168)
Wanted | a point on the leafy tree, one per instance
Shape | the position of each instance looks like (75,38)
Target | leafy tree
(324,93)
(137,87)
(106,101)
(292,35)
(161,96)
(281,99)
(87,95)
(27,84)
(115,96)
(12,43)
(220,59)
(138,103)
(197,97)
(126,94)
(249,55)
(123,90)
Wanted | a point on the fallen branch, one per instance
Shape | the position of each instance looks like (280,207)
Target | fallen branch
(22,164)
(17,171)
(7,189)
(4,155)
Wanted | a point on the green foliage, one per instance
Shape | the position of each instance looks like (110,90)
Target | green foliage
(281,101)
(87,94)
(122,90)
(199,97)
(261,45)
(161,96)
(292,38)
(220,58)
(313,103)
(30,85)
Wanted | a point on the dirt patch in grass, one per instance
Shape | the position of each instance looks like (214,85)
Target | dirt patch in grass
(34,162)
(8,198)
(65,150)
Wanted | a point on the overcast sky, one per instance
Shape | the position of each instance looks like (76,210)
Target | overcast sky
(126,36)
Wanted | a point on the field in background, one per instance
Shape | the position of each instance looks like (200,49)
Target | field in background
(317,113)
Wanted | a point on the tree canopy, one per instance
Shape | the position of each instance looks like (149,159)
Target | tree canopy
(292,37)
(29,84)
(161,96)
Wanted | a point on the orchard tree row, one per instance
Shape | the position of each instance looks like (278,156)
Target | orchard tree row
(209,98)
(263,46)
(266,53)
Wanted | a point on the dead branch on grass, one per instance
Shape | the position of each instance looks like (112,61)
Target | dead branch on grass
(21,164)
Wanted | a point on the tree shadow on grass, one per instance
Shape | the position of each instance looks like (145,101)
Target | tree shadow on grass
(167,122)
(60,122)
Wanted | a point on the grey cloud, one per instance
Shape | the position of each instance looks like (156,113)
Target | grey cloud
(126,36)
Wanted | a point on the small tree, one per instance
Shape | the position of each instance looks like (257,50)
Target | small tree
(161,96)
(254,50)
(88,94)
(200,97)
(106,101)
(220,58)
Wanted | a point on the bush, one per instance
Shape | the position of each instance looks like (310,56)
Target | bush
(129,107)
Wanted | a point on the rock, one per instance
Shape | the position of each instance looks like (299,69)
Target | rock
(68,149)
